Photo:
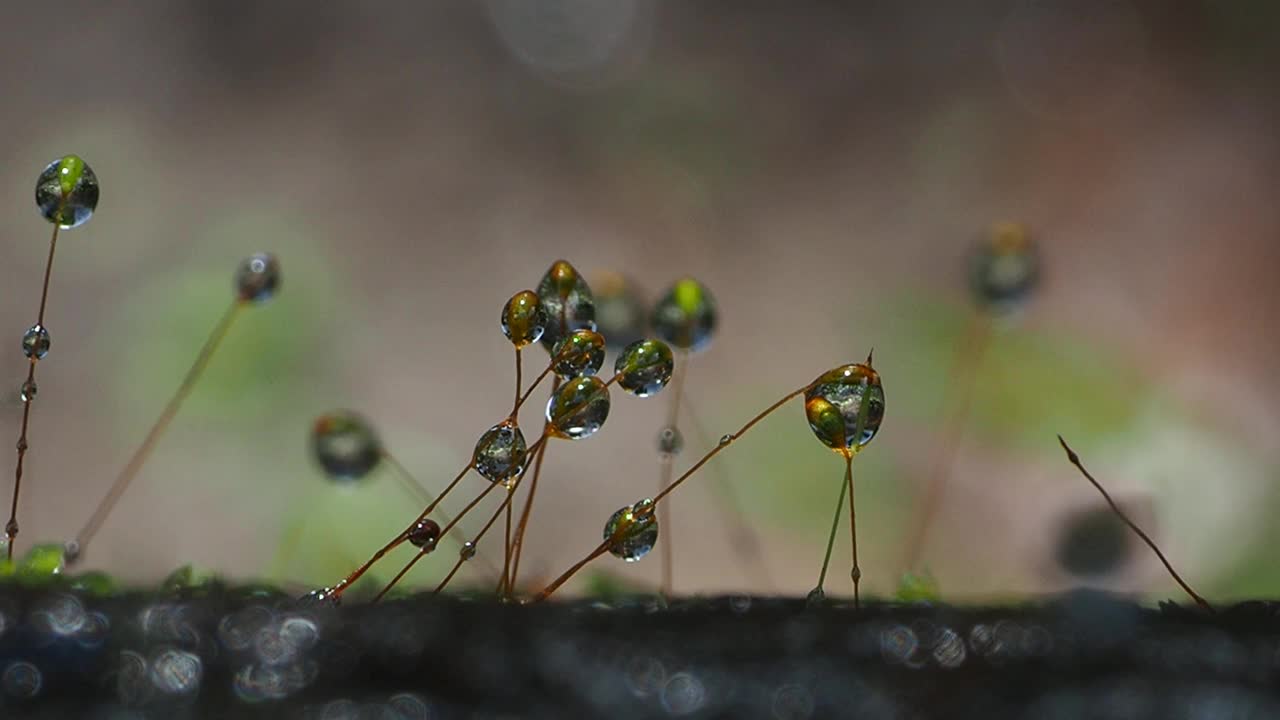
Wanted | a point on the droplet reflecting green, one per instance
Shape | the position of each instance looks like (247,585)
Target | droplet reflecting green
(523,318)
(1005,268)
(918,587)
(834,402)
(501,452)
(580,353)
(67,192)
(579,408)
(42,564)
(94,583)
(632,531)
(257,278)
(567,301)
(686,316)
(645,367)
(345,445)
(35,342)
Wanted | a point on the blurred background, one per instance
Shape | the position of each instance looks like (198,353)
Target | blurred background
(826,168)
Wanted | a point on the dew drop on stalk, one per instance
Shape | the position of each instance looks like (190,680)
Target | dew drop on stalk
(523,318)
(686,316)
(645,367)
(632,531)
(424,534)
(35,342)
(579,353)
(579,408)
(670,440)
(567,301)
(501,452)
(833,402)
(28,391)
(257,278)
(67,192)
(1005,268)
(467,551)
(345,445)
(621,313)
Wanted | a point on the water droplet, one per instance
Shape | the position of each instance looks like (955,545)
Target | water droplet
(1005,268)
(580,353)
(41,564)
(579,408)
(726,439)
(28,391)
(670,441)
(567,301)
(686,316)
(177,671)
(35,343)
(633,531)
(816,596)
(918,587)
(467,551)
(71,551)
(500,452)
(620,310)
(21,680)
(645,367)
(94,584)
(322,597)
(855,574)
(67,192)
(257,278)
(345,445)
(425,534)
(523,318)
(832,405)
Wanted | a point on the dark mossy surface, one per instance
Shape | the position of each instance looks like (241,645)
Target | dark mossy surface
(215,651)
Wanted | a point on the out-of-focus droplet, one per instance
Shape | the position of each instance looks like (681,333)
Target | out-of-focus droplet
(645,367)
(621,312)
(28,391)
(833,402)
(424,534)
(816,596)
(670,441)
(686,316)
(67,192)
(345,445)
(1005,268)
(1093,543)
(41,564)
(501,452)
(257,278)
(523,318)
(320,597)
(94,583)
(918,587)
(579,408)
(632,531)
(21,680)
(567,301)
(35,342)
(467,551)
(579,353)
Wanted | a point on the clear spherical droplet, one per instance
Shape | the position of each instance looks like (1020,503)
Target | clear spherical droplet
(1005,268)
(833,402)
(670,440)
(579,353)
(579,408)
(345,445)
(257,278)
(632,531)
(67,192)
(523,318)
(28,391)
(500,452)
(645,367)
(621,312)
(567,301)
(425,534)
(35,342)
(686,316)
(467,551)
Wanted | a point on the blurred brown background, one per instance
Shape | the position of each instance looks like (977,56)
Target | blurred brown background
(824,167)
